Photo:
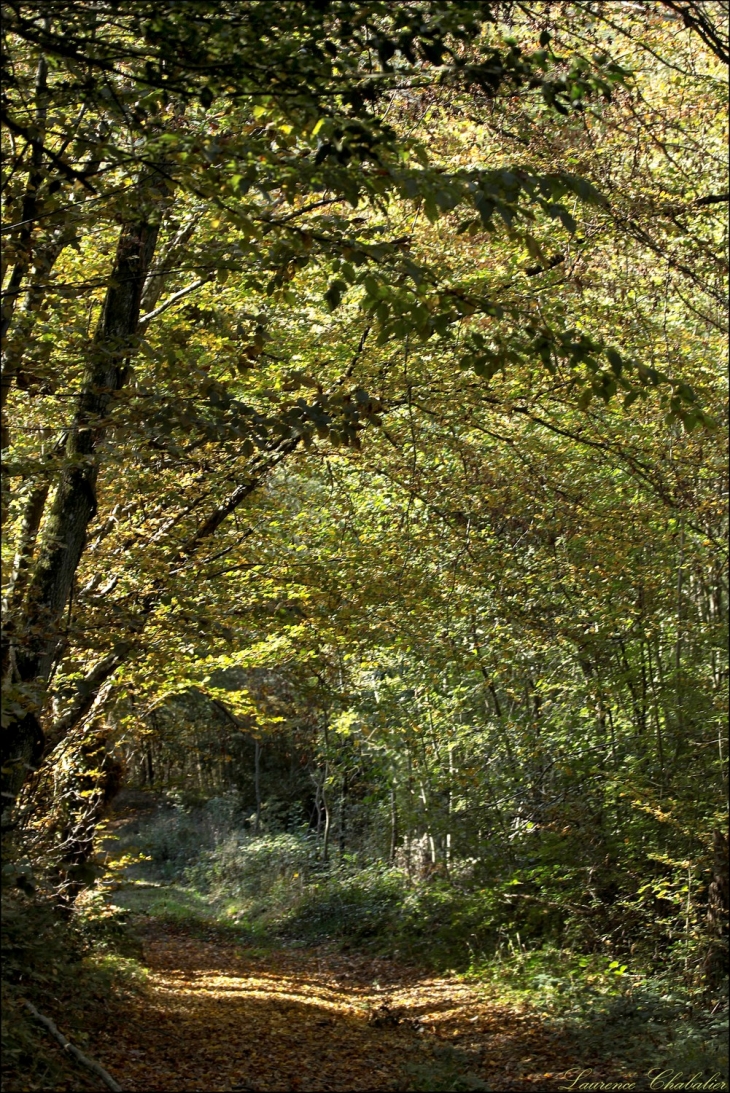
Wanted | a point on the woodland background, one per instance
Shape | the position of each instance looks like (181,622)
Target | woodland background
(365,486)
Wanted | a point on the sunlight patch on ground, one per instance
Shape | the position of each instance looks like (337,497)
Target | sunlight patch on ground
(221,1016)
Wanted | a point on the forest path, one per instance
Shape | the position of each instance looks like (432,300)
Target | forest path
(219,1015)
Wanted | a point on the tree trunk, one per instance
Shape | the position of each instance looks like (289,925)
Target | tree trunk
(74,504)
(92,783)
(34,508)
(327,822)
(87,691)
(719,891)
(448,848)
(718,902)
(325,802)
(343,815)
(23,744)
(317,805)
(257,786)
(393,825)
(19,338)
(24,240)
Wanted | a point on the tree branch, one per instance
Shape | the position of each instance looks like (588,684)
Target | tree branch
(695,17)
(144,319)
(90,1064)
(86,691)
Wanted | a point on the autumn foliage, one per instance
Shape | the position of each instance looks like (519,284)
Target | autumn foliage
(364,508)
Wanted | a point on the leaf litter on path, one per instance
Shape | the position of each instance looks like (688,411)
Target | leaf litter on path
(217,1015)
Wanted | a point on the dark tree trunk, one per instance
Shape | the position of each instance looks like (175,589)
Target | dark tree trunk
(39,630)
(718,895)
(393,824)
(149,767)
(91,786)
(718,904)
(75,502)
(34,508)
(327,824)
(257,785)
(87,690)
(24,241)
(18,335)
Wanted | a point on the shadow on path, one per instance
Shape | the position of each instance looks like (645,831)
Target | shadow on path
(221,1016)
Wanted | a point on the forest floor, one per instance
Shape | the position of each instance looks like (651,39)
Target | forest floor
(217,1015)
(214,1008)
(217,1012)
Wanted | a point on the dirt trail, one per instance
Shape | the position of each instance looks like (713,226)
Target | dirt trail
(222,1016)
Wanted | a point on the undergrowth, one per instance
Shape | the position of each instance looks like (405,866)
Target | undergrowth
(605,1009)
(74,967)
(197,867)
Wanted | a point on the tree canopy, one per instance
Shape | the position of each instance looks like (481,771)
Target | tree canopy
(362,400)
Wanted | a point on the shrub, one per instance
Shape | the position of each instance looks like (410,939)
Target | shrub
(250,866)
(360,904)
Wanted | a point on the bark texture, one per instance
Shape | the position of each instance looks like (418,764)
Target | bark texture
(38,630)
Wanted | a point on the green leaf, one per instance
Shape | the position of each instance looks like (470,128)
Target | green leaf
(334,293)
(615,360)
(565,218)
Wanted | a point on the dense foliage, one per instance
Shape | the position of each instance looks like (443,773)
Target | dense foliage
(363,419)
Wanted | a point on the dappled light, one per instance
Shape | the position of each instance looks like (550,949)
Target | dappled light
(365,598)
(220,1016)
